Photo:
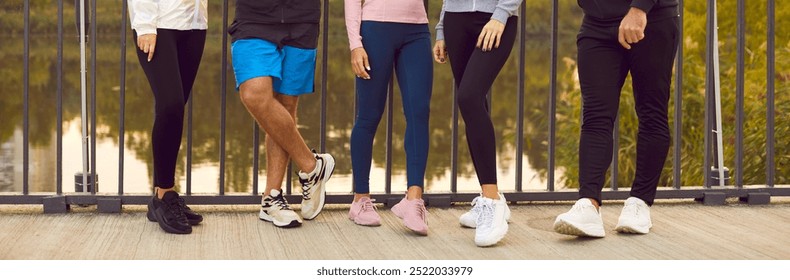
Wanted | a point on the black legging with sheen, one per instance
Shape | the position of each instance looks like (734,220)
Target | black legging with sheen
(475,71)
(171,74)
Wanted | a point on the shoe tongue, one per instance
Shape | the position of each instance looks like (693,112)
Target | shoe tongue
(274,193)
(170,196)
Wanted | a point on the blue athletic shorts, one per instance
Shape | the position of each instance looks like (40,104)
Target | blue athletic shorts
(292,69)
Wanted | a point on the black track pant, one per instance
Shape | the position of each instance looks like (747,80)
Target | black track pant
(603,66)
(171,74)
(475,71)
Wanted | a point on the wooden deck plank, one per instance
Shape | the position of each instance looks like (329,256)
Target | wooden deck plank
(683,230)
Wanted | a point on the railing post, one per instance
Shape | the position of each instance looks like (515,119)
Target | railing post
(739,94)
(94,41)
(26,106)
(223,96)
(553,95)
(522,47)
(770,102)
(59,124)
(678,137)
(122,106)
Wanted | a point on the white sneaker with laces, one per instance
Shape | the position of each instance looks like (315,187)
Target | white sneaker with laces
(635,217)
(491,222)
(582,220)
(314,185)
(469,219)
(275,209)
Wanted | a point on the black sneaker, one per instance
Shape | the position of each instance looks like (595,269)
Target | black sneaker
(168,213)
(192,217)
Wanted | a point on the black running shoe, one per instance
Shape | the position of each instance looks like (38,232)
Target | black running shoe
(168,213)
(192,217)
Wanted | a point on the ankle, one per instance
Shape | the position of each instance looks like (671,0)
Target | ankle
(595,203)
(414,192)
(160,192)
(358,196)
(490,191)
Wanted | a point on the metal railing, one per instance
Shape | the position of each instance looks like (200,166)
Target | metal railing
(59,201)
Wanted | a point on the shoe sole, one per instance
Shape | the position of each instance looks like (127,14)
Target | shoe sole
(267,218)
(494,241)
(152,218)
(400,216)
(367,225)
(322,189)
(169,228)
(630,229)
(567,228)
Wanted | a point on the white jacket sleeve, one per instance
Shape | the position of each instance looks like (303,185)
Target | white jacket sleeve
(145,14)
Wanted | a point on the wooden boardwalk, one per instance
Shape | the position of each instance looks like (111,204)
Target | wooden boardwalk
(682,230)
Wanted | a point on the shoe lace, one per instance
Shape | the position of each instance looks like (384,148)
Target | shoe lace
(183,204)
(475,205)
(308,183)
(174,207)
(281,203)
(486,216)
(632,209)
(368,206)
(421,210)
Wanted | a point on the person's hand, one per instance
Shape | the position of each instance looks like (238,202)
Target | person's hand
(632,28)
(490,35)
(359,63)
(440,52)
(147,44)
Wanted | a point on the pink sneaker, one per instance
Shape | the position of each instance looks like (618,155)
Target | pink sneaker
(363,212)
(413,214)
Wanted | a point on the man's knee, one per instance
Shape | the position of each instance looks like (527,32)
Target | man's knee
(255,91)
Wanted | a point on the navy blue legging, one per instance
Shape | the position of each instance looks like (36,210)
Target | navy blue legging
(407,49)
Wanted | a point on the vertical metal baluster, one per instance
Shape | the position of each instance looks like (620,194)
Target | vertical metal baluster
(26,106)
(122,105)
(189,143)
(770,112)
(739,95)
(454,144)
(223,95)
(94,41)
(678,137)
(553,94)
(256,144)
(522,50)
(390,120)
(324,69)
(709,88)
(59,124)
(615,153)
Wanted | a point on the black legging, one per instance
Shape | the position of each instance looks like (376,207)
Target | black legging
(171,74)
(475,71)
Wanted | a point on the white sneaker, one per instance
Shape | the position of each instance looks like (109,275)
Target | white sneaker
(635,217)
(275,209)
(582,220)
(314,185)
(469,219)
(491,222)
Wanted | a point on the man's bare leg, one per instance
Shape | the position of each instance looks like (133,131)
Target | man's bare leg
(276,157)
(258,97)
